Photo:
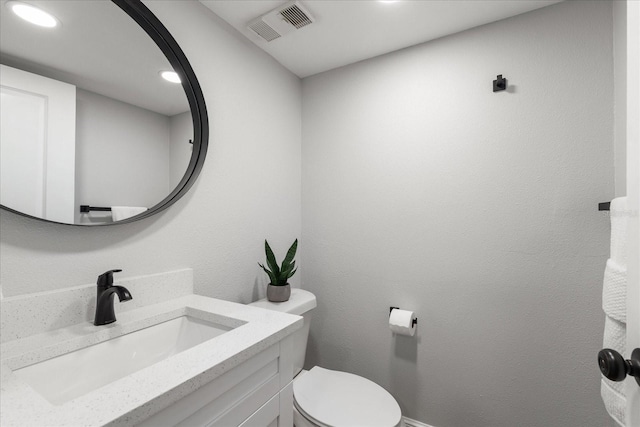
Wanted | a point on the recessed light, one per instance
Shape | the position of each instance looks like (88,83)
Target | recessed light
(33,14)
(170,76)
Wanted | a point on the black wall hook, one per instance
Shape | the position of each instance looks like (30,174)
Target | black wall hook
(499,83)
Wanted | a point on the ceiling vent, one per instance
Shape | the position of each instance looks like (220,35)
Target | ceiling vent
(281,20)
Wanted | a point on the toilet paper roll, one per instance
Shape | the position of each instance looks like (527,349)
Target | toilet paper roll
(401,322)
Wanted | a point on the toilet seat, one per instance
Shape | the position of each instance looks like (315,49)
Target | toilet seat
(338,399)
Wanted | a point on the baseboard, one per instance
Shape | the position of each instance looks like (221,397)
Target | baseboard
(408,422)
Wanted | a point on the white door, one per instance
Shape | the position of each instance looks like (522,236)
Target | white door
(37,145)
(633,199)
(22,160)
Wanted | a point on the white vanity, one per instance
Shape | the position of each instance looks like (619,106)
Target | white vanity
(172,358)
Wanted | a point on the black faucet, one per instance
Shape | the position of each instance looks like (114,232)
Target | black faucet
(104,300)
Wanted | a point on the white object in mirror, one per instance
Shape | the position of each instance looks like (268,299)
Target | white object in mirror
(37,150)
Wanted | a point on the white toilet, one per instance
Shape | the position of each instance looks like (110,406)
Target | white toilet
(326,398)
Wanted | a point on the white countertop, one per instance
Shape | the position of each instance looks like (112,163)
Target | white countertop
(135,397)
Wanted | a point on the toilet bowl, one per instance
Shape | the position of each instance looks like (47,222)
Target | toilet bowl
(327,398)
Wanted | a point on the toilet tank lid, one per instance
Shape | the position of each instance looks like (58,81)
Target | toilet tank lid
(299,303)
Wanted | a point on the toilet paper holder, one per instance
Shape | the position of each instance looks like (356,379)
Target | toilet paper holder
(415,321)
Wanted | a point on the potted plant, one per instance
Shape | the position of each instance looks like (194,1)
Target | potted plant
(279,289)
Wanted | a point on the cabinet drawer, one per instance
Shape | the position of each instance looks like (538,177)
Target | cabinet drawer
(244,404)
(266,416)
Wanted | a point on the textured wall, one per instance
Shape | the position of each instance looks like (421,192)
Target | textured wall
(249,188)
(424,190)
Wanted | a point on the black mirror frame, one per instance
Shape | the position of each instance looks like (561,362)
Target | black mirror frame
(168,45)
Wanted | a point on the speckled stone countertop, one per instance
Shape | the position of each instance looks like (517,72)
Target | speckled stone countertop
(135,397)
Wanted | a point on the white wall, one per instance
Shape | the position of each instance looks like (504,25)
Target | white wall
(181,130)
(423,189)
(620,98)
(122,154)
(249,188)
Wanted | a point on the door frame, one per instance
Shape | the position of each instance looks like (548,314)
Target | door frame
(633,200)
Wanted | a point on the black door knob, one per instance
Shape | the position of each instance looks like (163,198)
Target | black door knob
(614,367)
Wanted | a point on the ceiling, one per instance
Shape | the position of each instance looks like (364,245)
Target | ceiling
(348,31)
(124,65)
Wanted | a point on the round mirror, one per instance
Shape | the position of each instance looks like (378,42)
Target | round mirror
(102,118)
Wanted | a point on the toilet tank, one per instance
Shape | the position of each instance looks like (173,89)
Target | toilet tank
(301,303)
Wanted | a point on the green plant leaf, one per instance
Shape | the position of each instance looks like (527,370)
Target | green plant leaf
(292,273)
(272,277)
(286,272)
(271,260)
(291,253)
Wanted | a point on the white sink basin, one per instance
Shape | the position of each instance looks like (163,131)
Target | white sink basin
(74,374)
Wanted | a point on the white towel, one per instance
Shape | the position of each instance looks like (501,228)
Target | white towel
(619,219)
(615,403)
(119,213)
(614,292)
(614,305)
(615,337)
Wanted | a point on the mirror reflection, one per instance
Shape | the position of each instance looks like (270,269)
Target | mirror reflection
(86,115)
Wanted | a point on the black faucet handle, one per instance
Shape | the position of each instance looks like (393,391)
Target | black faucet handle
(105,280)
